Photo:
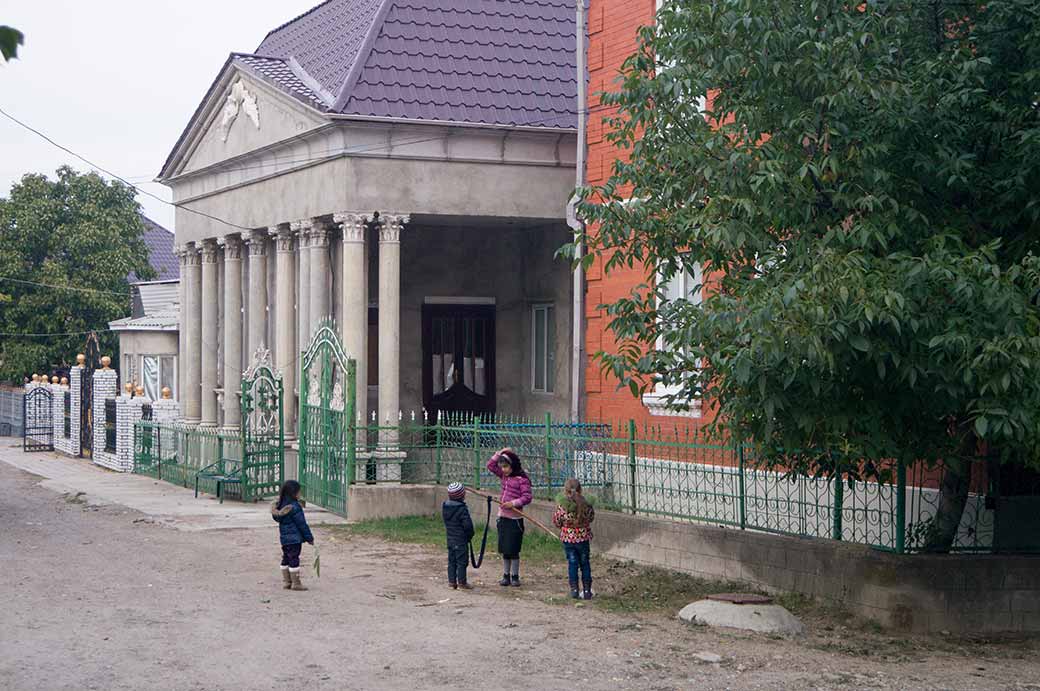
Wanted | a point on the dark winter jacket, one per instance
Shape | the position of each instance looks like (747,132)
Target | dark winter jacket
(292,524)
(457,522)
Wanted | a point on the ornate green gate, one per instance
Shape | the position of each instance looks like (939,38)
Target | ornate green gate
(262,437)
(327,426)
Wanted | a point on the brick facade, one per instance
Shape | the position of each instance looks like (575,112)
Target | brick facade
(613,26)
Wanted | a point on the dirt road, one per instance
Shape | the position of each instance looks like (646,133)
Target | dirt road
(102,597)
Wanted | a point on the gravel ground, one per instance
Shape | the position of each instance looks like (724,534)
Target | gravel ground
(102,597)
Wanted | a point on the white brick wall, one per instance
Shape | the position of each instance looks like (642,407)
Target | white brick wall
(68,445)
(105,381)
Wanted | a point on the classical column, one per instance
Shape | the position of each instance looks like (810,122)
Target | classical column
(192,321)
(303,304)
(319,291)
(390,226)
(354,329)
(182,332)
(285,353)
(232,331)
(257,240)
(210,312)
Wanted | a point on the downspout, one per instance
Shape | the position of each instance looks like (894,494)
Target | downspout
(578,309)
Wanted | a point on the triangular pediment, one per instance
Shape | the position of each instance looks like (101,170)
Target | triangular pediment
(240,114)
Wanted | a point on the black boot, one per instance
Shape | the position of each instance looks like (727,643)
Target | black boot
(515,581)
(574,590)
(588,590)
(505,579)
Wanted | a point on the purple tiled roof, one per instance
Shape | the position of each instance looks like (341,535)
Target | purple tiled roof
(278,71)
(159,242)
(499,62)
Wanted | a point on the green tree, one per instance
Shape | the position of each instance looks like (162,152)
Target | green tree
(75,231)
(863,192)
(10,39)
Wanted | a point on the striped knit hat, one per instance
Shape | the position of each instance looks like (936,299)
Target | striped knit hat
(456,491)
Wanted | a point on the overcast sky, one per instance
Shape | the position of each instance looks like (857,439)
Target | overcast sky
(117,80)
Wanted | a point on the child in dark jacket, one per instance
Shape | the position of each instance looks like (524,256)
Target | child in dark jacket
(459,528)
(293,532)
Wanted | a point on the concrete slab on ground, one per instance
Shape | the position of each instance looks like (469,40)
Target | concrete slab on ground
(753,617)
(163,502)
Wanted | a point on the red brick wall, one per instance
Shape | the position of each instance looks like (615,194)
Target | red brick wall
(613,27)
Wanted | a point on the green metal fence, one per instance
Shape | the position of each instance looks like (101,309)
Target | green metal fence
(670,472)
(677,472)
(188,455)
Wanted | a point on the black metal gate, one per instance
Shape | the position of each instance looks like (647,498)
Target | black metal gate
(37,409)
(91,361)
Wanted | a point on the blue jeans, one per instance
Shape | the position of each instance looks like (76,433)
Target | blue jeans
(458,560)
(578,558)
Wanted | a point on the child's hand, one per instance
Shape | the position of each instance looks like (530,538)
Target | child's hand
(310,542)
(508,505)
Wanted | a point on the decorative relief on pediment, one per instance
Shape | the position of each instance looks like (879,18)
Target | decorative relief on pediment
(238,100)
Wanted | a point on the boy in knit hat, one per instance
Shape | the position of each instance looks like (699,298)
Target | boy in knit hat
(459,528)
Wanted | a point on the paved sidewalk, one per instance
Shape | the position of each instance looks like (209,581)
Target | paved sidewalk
(164,503)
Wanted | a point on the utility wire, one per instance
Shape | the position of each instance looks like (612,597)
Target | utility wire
(81,290)
(55,335)
(331,153)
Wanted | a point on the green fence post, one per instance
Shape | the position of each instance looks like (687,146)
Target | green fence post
(352,426)
(901,508)
(476,452)
(743,487)
(632,462)
(548,451)
(839,500)
(437,448)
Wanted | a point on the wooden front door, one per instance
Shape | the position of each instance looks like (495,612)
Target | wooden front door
(458,358)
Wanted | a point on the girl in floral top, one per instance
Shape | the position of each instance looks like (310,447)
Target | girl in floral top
(574,517)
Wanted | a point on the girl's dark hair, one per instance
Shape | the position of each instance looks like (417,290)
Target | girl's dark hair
(289,491)
(513,460)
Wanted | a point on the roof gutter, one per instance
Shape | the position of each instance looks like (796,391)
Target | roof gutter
(575,223)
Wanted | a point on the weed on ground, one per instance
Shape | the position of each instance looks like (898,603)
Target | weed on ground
(642,592)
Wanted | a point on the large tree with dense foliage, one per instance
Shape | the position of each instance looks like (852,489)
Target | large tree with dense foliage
(75,231)
(863,192)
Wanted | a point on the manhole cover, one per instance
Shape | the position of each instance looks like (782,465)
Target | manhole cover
(741,598)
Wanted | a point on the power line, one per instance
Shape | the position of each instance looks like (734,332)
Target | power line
(54,335)
(111,174)
(81,290)
(331,153)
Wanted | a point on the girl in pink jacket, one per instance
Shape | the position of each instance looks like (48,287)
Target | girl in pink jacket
(516,494)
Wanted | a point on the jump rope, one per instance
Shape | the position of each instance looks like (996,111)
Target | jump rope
(477,561)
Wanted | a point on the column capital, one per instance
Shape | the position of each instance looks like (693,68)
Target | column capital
(190,254)
(257,241)
(232,248)
(354,225)
(391,225)
(303,229)
(320,233)
(283,237)
(210,251)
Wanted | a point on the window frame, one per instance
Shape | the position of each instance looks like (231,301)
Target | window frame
(656,401)
(549,365)
(159,372)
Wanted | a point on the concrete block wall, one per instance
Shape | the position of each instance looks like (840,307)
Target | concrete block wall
(963,594)
(129,411)
(105,388)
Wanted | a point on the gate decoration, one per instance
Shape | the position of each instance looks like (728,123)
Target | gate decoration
(328,430)
(91,361)
(263,437)
(37,409)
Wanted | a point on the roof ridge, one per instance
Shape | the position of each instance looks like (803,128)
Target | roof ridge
(293,20)
(364,50)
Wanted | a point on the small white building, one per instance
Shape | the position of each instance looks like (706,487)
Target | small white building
(148,338)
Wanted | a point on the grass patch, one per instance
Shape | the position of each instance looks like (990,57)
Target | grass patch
(539,548)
